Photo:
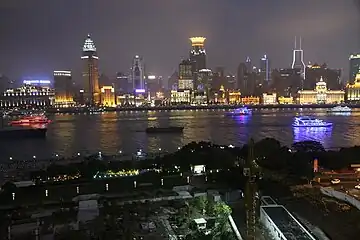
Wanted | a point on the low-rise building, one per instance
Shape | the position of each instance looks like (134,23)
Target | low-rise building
(353,90)
(321,95)
(27,96)
(180,97)
(250,100)
(108,96)
(285,100)
(281,224)
(269,98)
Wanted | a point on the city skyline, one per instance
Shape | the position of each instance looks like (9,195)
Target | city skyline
(36,57)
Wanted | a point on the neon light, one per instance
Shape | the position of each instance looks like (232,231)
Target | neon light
(151,77)
(310,122)
(30,82)
(140,90)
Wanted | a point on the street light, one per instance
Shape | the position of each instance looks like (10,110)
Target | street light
(34,157)
(134,184)
(10,158)
(46,193)
(159,149)
(120,152)
(78,154)
(77,190)
(13,196)
(162,182)
(179,148)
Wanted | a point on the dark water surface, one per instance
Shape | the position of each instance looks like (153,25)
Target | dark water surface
(111,132)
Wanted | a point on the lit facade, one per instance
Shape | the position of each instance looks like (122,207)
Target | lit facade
(321,95)
(269,98)
(285,100)
(63,89)
(28,96)
(90,73)
(250,100)
(180,97)
(108,96)
(353,90)
(234,97)
(185,75)
(197,57)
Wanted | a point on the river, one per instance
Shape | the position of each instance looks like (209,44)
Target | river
(112,132)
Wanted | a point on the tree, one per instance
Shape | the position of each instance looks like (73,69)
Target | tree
(200,203)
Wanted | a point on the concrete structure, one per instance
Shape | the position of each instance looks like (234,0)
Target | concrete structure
(282,225)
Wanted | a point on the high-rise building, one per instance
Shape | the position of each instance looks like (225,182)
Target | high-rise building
(197,56)
(298,59)
(265,70)
(64,94)
(315,72)
(137,74)
(286,82)
(123,84)
(186,80)
(354,60)
(90,73)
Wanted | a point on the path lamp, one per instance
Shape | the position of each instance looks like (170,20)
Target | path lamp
(134,184)
(188,179)
(13,196)
(10,158)
(46,193)
(34,157)
(77,190)
(107,187)
(162,182)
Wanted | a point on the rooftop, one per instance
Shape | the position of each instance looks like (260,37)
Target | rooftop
(287,224)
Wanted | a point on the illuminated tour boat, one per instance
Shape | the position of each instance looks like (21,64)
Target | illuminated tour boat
(240,111)
(338,109)
(306,121)
(31,120)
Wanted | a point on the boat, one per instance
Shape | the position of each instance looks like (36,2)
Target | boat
(164,130)
(239,111)
(20,133)
(340,109)
(306,121)
(31,120)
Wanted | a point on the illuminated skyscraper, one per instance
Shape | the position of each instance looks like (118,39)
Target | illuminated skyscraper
(63,88)
(185,75)
(298,59)
(137,74)
(90,73)
(265,69)
(197,56)
(354,60)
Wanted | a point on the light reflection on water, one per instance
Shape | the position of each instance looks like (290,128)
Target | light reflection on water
(111,132)
(319,134)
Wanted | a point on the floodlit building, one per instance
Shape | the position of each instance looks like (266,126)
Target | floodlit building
(251,100)
(269,98)
(180,97)
(234,97)
(63,89)
(137,75)
(27,96)
(353,90)
(90,73)
(185,75)
(108,96)
(285,100)
(321,95)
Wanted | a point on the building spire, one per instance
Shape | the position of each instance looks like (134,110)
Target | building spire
(89,45)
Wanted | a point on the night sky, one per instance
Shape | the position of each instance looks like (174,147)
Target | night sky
(39,36)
